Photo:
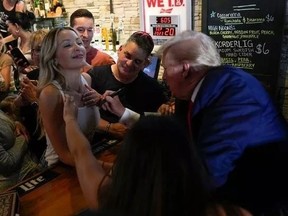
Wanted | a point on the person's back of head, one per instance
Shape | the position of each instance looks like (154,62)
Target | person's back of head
(36,42)
(196,48)
(37,37)
(157,172)
(23,19)
(80,13)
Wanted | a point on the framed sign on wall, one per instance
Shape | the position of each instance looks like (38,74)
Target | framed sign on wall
(163,19)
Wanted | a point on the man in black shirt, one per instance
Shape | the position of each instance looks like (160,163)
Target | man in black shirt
(141,92)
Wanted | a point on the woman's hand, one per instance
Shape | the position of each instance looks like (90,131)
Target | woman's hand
(91,97)
(29,90)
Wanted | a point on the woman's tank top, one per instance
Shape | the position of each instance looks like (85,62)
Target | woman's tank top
(88,118)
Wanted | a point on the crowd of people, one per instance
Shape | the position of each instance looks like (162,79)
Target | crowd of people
(221,149)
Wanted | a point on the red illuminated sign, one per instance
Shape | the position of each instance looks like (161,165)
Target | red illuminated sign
(163,20)
(164,31)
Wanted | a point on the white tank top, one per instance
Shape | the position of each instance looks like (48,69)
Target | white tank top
(88,118)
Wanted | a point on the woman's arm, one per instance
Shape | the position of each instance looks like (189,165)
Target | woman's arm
(6,68)
(7,39)
(51,110)
(28,93)
(6,74)
(89,170)
(117,130)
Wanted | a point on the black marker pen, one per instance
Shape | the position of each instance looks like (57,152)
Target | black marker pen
(111,95)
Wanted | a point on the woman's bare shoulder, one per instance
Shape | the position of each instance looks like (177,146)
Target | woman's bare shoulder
(49,90)
(87,77)
(50,95)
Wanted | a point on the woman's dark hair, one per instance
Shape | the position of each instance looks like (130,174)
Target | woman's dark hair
(23,19)
(157,172)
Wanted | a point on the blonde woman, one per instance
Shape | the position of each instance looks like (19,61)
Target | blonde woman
(61,58)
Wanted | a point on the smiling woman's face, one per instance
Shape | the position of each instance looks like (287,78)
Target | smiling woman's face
(71,53)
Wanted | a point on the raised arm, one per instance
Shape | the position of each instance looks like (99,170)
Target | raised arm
(89,170)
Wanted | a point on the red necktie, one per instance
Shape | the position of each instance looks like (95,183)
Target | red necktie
(189,118)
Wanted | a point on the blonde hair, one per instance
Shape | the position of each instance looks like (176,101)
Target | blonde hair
(37,37)
(49,69)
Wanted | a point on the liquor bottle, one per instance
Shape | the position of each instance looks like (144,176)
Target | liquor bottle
(114,40)
(42,8)
(97,36)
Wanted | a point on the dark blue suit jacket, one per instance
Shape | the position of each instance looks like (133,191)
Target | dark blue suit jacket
(232,112)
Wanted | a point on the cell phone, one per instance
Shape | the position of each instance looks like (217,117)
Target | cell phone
(19,57)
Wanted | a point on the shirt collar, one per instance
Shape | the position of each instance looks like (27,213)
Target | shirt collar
(196,90)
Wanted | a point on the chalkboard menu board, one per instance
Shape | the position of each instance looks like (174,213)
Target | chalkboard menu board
(248,34)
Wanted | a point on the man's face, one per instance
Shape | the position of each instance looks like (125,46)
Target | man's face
(131,60)
(85,28)
(173,74)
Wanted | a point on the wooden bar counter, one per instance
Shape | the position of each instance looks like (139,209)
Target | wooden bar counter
(61,196)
